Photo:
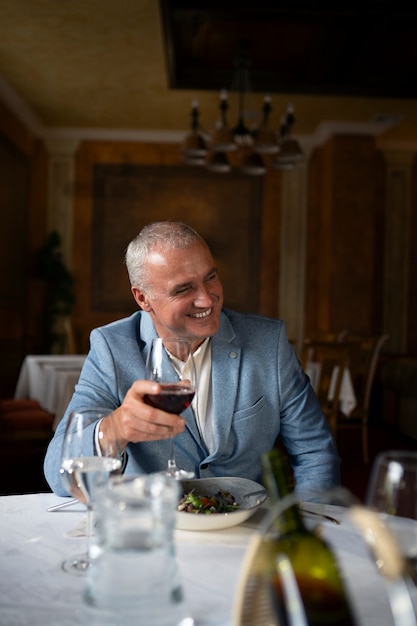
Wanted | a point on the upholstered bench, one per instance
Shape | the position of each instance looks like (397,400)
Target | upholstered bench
(24,419)
(25,431)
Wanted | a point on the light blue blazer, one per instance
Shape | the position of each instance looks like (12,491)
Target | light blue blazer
(259,392)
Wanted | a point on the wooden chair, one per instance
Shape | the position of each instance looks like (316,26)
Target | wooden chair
(365,352)
(327,335)
(71,345)
(76,338)
(326,356)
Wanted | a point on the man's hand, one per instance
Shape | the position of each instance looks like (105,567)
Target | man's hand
(136,421)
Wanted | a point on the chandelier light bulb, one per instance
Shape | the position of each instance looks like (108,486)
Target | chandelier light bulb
(211,151)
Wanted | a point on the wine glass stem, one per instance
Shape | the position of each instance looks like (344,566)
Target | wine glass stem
(89,529)
(172,466)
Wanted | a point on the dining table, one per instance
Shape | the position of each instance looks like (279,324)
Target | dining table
(50,379)
(35,591)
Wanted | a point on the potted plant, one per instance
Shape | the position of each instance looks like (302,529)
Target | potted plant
(59,291)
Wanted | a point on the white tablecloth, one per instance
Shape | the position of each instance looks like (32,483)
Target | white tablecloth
(34,591)
(347,392)
(50,379)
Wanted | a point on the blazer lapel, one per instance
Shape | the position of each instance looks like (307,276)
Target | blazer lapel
(226,354)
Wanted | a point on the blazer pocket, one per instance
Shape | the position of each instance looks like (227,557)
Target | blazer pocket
(250,411)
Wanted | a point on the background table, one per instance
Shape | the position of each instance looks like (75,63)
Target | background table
(50,379)
(35,591)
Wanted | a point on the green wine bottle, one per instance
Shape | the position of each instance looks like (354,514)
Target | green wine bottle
(304,577)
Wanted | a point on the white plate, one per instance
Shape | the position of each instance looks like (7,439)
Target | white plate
(248,494)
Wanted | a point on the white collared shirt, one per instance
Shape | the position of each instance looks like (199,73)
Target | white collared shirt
(202,402)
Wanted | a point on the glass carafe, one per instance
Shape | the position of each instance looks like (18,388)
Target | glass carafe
(134,574)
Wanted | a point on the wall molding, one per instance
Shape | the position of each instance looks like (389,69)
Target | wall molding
(321,134)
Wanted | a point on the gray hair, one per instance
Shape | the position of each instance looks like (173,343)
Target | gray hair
(161,235)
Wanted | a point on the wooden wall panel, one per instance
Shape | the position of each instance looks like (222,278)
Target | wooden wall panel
(14,209)
(271,245)
(224,210)
(23,230)
(121,187)
(358,213)
(345,236)
(14,182)
(412,273)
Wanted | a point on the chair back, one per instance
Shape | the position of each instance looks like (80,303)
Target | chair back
(363,363)
(327,335)
(325,362)
(70,337)
(76,338)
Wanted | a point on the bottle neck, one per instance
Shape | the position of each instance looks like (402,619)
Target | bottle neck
(276,478)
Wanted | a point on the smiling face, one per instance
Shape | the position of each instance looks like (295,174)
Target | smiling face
(185,296)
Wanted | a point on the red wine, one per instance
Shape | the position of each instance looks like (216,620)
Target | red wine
(172,398)
(322,602)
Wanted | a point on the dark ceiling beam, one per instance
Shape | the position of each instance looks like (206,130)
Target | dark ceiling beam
(366,48)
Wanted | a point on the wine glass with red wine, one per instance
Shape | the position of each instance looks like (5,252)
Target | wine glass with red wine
(170,363)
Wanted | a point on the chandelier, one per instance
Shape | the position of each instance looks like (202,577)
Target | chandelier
(256,149)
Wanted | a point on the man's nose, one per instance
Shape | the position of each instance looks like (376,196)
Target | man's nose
(203,297)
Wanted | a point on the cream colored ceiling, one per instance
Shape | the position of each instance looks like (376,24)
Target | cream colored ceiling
(99,64)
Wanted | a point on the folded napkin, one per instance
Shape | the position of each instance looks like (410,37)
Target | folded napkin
(80,528)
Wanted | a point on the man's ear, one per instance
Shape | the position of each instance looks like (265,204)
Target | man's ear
(141,299)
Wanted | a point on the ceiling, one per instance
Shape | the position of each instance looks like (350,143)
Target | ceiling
(137,64)
(350,49)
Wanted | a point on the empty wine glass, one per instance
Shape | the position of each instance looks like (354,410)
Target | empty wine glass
(170,362)
(83,470)
(392,491)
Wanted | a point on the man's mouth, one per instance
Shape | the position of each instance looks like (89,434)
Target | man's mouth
(201,315)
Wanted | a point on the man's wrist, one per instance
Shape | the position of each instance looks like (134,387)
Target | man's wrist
(97,438)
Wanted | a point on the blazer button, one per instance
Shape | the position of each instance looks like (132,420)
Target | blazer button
(204,466)
(233,355)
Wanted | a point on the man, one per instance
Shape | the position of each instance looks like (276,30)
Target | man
(251,387)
